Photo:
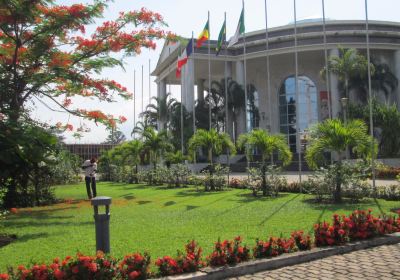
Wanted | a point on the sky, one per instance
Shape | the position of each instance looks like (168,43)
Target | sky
(185,16)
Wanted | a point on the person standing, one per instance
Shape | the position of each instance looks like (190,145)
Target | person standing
(90,167)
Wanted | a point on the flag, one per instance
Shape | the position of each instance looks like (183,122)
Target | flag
(239,30)
(221,38)
(204,35)
(183,58)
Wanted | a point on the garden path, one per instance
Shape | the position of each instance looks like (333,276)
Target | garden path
(371,264)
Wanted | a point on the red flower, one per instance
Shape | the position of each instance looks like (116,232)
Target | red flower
(134,274)
(75,269)
(14,210)
(58,274)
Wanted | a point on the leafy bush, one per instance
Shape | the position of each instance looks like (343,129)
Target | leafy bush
(386,172)
(154,177)
(229,252)
(178,175)
(391,192)
(358,225)
(183,263)
(27,155)
(273,180)
(303,242)
(135,266)
(66,169)
(236,183)
(353,182)
(274,247)
(215,177)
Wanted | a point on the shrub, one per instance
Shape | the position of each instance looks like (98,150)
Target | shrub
(358,225)
(303,242)
(228,252)
(183,263)
(386,172)
(236,183)
(391,192)
(273,247)
(328,235)
(273,180)
(135,266)
(178,175)
(215,177)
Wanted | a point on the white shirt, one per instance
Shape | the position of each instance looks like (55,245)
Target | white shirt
(90,168)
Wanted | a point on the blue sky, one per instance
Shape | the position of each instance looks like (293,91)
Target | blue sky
(185,16)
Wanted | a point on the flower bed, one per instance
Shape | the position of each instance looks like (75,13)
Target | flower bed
(359,225)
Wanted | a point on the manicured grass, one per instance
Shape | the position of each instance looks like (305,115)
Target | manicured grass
(160,220)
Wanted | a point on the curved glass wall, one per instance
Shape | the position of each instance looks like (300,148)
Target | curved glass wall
(308,108)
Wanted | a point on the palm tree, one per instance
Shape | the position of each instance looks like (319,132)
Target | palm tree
(347,65)
(160,111)
(215,143)
(235,98)
(155,144)
(335,136)
(266,144)
(382,79)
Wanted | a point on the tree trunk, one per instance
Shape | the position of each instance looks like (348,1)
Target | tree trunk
(337,196)
(264,179)
(212,186)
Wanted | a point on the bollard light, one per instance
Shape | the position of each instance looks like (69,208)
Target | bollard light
(102,223)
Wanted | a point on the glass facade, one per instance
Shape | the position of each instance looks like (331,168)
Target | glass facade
(308,108)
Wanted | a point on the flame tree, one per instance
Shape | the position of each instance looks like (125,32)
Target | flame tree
(47,56)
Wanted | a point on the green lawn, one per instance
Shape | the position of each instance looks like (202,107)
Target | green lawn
(160,220)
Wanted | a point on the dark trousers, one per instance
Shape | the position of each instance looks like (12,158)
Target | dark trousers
(91,182)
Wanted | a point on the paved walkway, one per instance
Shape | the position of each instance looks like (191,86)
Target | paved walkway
(376,263)
(294,177)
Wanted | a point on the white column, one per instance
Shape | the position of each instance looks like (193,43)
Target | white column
(241,117)
(187,82)
(334,83)
(397,73)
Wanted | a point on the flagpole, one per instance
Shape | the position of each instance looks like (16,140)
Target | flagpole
(194,100)
(181,107)
(268,73)
(142,94)
(149,81)
(371,120)
(328,88)
(297,92)
(226,79)
(245,85)
(226,94)
(134,101)
(209,72)
(245,73)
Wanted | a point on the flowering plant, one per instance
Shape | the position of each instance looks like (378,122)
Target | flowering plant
(303,242)
(190,262)
(274,247)
(228,252)
(135,266)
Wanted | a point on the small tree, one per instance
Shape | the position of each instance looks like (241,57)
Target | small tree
(155,144)
(334,136)
(266,144)
(215,143)
(347,65)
